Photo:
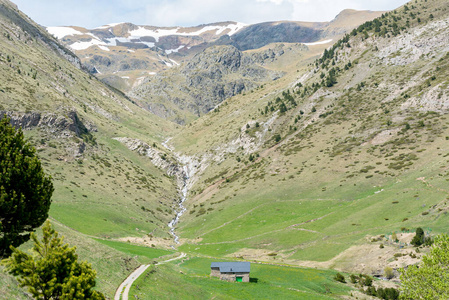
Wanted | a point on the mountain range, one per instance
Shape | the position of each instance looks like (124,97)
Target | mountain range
(134,58)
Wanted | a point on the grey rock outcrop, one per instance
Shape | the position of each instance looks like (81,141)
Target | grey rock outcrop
(259,35)
(210,77)
(63,125)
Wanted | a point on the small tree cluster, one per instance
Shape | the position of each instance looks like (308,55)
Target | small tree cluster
(388,272)
(283,104)
(418,239)
(383,293)
(363,280)
(277,138)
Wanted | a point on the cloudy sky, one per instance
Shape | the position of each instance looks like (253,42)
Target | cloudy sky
(94,13)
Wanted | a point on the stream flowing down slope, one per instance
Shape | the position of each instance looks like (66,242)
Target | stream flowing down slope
(181,209)
(184,178)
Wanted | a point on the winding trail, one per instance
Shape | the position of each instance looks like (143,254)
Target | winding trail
(128,282)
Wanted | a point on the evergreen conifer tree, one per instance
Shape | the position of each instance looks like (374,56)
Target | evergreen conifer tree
(25,191)
(52,270)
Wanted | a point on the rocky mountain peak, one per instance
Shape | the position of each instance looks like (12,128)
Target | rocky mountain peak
(228,57)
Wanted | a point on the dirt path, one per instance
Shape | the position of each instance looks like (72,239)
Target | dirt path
(123,290)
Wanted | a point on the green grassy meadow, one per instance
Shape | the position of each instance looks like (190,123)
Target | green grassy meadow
(135,250)
(190,280)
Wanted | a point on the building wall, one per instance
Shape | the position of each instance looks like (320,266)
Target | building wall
(245,276)
(215,272)
(230,276)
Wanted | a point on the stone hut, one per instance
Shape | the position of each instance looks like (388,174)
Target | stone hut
(231,271)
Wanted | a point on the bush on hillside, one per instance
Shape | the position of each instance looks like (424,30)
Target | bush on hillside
(418,239)
(388,272)
(340,278)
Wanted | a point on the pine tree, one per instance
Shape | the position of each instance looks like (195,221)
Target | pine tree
(52,270)
(25,190)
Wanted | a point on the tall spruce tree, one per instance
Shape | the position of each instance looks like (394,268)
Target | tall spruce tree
(52,270)
(25,191)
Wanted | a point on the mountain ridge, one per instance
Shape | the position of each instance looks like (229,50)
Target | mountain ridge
(124,61)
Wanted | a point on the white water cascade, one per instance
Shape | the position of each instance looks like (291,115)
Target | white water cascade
(181,209)
(184,183)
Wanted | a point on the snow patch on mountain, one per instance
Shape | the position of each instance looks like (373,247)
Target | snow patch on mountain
(85,45)
(158,33)
(60,32)
(318,43)
(170,51)
(104,48)
(233,28)
(136,36)
(174,62)
(131,39)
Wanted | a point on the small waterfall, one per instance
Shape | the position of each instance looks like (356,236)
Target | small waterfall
(183,185)
(181,209)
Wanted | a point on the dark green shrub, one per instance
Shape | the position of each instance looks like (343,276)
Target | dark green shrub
(418,239)
(340,278)
(365,280)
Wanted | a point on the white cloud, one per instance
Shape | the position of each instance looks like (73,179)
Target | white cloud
(180,12)
(278,2)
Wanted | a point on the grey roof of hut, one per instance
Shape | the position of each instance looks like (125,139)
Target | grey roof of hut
(238,267)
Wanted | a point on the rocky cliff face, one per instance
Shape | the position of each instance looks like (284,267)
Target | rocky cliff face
(68,127)
(259,35)
(210,77)
(65,125)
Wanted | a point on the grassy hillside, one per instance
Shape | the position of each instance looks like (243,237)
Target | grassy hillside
(352,151)
(102,189)
(72,118)
(113,261)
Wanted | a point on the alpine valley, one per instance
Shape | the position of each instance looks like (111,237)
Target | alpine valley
(307,149)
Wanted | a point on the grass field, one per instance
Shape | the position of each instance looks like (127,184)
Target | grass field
(353,161)
(296,219)
(113,261)
(190,280)
(135,250)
